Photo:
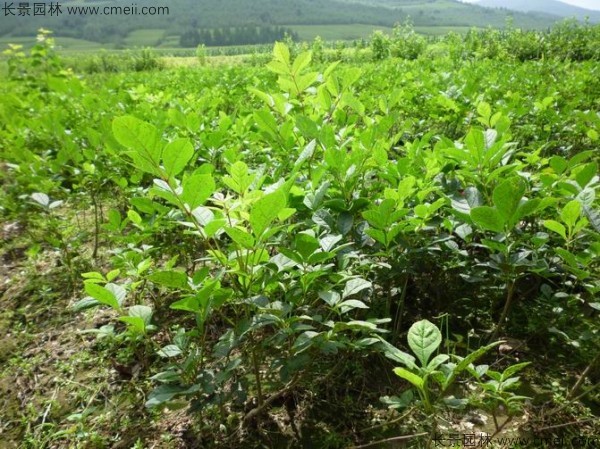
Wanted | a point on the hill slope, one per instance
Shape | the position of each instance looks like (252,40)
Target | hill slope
(549,6)
(188,16)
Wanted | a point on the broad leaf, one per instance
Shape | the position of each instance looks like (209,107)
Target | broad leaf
(507,197)
(571,213)
(265,210)
(395,354)
(173,279)
(556,227)
(240,237)
(164,393)
(196,190)
(102,295)
(352,304)
(169,351)
(143,139)
(488,218)
(411,377)
(176,155)
(354,286)
(467,361)
(424,338)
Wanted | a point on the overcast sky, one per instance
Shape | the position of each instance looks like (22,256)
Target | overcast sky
(589,4)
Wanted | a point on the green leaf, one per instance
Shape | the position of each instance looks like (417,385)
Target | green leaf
(102,295)
(424,339)
(484,110)
(586,174)
(395,354)
(421,210)
(240,237)
(571,213)
(302,61)
(187,304)
(84,304)
(411,377)
(513,369)
(467,361)
(281,52)
(307,153)
(141,311)
(93,275)
(265,210)
(556,227)
(169,351)
(176,155)
(135,323)
(351,304)
(507,197)
(196,189)
(436,361)
(487,218)
(558,164)
(353,286)
(111,275)
(331,298)
(164,393)
(527,208)
(306,245)
(171,278)
(143,139)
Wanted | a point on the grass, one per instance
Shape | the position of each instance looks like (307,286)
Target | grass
(63,43)
(336,32)
(192,61)
(144,38)
(441,30)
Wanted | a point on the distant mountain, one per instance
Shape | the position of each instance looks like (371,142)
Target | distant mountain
(554,7)
(240,21)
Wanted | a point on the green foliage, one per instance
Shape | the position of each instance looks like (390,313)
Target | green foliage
(424,339)
(250,229)
(568,40)
(498,395)
(201,54)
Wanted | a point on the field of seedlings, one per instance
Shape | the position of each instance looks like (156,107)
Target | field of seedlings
(392,246)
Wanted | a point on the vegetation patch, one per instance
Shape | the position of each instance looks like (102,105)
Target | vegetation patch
(392,244)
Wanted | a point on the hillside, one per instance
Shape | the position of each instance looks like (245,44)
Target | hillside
(554,7)
(213,17)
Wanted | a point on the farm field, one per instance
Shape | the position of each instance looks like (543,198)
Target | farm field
(310,248)
(155,38)
(336,32)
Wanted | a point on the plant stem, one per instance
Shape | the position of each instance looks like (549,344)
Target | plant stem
(255,411)
(509,298)
(495,421)
(389,423)
(96,225)
(257,377)
(499,428)
(389,440)
(581,379)
(400,310)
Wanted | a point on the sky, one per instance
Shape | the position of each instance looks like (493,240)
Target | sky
(589,4)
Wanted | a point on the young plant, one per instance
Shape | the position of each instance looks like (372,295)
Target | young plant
(498,391)
(432,377)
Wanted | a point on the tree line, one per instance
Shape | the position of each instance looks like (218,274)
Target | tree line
(244,35)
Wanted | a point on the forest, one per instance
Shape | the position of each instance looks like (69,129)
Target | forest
(393,244)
